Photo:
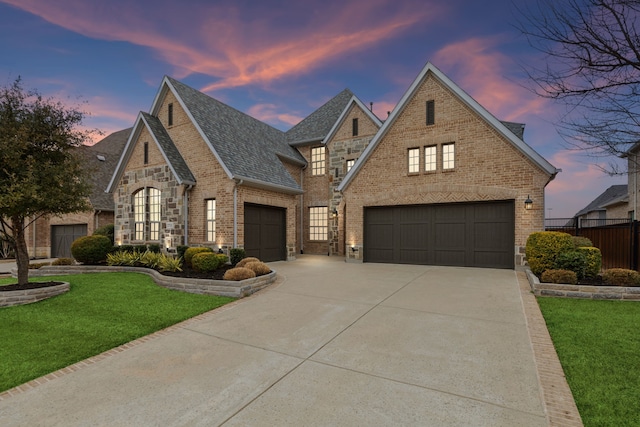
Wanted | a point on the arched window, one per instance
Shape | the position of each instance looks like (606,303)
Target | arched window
(146,214)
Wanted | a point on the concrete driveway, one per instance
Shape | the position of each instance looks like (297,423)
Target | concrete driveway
(331,344)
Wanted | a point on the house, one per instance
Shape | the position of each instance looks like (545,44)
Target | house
(441,181)
(52,236)
(633,157)
(613,203)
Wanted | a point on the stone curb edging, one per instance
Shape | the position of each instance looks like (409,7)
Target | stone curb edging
(228,288)
(582,291)
(27,296)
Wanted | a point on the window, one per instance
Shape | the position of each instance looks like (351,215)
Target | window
(211,220)
(317,161)
(318,223)
(430,158)
(414,160)
(146,153)
(170,115)
(354,127)
(350,164)
(431,112)
(146,214)
(448,156)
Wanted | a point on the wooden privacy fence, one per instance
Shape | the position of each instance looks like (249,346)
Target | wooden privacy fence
(617,239)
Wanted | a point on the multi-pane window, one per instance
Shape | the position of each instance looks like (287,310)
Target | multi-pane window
(414,160)
(146,214)
(448,156)
(354,127)
(350,164)
(318,223)
(211,220)
(430,158)
(431,112)
(317,161)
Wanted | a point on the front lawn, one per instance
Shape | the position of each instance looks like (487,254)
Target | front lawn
(598,343)
(100,312)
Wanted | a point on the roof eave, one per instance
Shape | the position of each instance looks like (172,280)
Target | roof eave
(252,182)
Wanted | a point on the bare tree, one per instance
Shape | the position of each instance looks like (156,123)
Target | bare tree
(592,66)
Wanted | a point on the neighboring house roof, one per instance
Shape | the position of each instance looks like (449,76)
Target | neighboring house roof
(100,160)
(500,127)
(317,125)
(612,195)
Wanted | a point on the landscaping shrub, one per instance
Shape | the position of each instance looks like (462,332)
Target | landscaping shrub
(189,253)
(575,261)
(245,261)
(150,259)
(621,277)
(155,248)
(543,248)
(594,261)
(260,268)
(581,242)
(171,264)
(91,249)
(237,254)
(206,262)
(106,230)
(559,276)
(223,259)
(180,250)
(38,265)
(239,273)
(125,248)
(140,248)
(63,261)
(119,258)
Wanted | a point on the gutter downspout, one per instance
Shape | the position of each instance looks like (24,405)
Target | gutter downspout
(185,203)
(35,234)
(302,211)
(235,212)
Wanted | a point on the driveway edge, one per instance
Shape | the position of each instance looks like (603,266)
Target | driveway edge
(559,404)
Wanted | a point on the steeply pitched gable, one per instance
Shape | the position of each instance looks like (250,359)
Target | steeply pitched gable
(613,194)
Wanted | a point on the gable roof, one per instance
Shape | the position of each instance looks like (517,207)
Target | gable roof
(317,125)
(612,195)
(500,127)
(246,148)
(100,160)
(354,101)
(164,143)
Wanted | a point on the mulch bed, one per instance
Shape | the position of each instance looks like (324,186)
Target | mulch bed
(30,285)
(193,274)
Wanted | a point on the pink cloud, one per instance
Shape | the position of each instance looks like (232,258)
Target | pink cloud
(270,113)
(253,47)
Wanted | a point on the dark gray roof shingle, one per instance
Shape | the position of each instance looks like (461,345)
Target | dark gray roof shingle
(176,161)
(609,195)
(516,128)
(318,124)
(247,147)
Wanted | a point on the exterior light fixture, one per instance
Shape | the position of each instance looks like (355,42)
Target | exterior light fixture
(334,213)
(528,204)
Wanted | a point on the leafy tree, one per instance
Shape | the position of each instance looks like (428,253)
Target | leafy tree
(592,66)
(40,173)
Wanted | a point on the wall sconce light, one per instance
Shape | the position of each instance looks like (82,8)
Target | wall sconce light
(220,250)
(528,204)
(354,249)
(334,213)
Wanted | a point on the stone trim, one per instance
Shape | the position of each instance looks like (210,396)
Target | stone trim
(228,288)
(625,293)
(28,296)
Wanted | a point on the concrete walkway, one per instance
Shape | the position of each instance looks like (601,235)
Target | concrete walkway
(331,344)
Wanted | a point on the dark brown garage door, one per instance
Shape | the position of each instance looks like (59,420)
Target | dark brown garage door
(265,232)
(460,234)
(62,236)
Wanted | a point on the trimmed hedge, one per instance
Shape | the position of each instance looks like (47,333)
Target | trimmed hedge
(237,254)
(621,277)
(105,230)
(543,248)
(239,273)
(245,261)
(581,242)
(260,268)
(180,250)
(207,261)
(559,276)
(91,249)
(594,260)
(575,261)
(189,253)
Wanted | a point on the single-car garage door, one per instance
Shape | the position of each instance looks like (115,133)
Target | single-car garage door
(62,236)
(265,232)
(458,234)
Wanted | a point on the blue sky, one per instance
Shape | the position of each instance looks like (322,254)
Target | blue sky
(278,60)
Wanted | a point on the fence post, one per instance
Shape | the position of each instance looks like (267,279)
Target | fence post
(576,221)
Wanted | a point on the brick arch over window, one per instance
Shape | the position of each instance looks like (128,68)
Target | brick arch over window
(146,214)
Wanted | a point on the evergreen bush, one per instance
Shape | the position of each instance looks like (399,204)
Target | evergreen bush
(237,254)
(559,276)
(189,253)
(206,262)
(575,261)
(543,248)
(106,230)
(594,261)
(91,249)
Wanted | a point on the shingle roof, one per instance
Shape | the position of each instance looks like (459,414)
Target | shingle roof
(516,128)
(318,124)
(100,171)
(247,148)
(611,194)
(174,158)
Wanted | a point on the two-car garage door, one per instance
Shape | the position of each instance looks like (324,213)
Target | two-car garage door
(458,234)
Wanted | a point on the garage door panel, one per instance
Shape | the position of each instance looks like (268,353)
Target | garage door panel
(265,232)
(62,236)
(461,234)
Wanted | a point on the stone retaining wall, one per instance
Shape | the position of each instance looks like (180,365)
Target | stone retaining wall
(582,291)
(27,296)
(236,289)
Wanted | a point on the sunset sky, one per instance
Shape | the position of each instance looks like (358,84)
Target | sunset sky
(278,60)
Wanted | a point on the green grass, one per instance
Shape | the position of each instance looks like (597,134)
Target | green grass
(598,343)
(100,312)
